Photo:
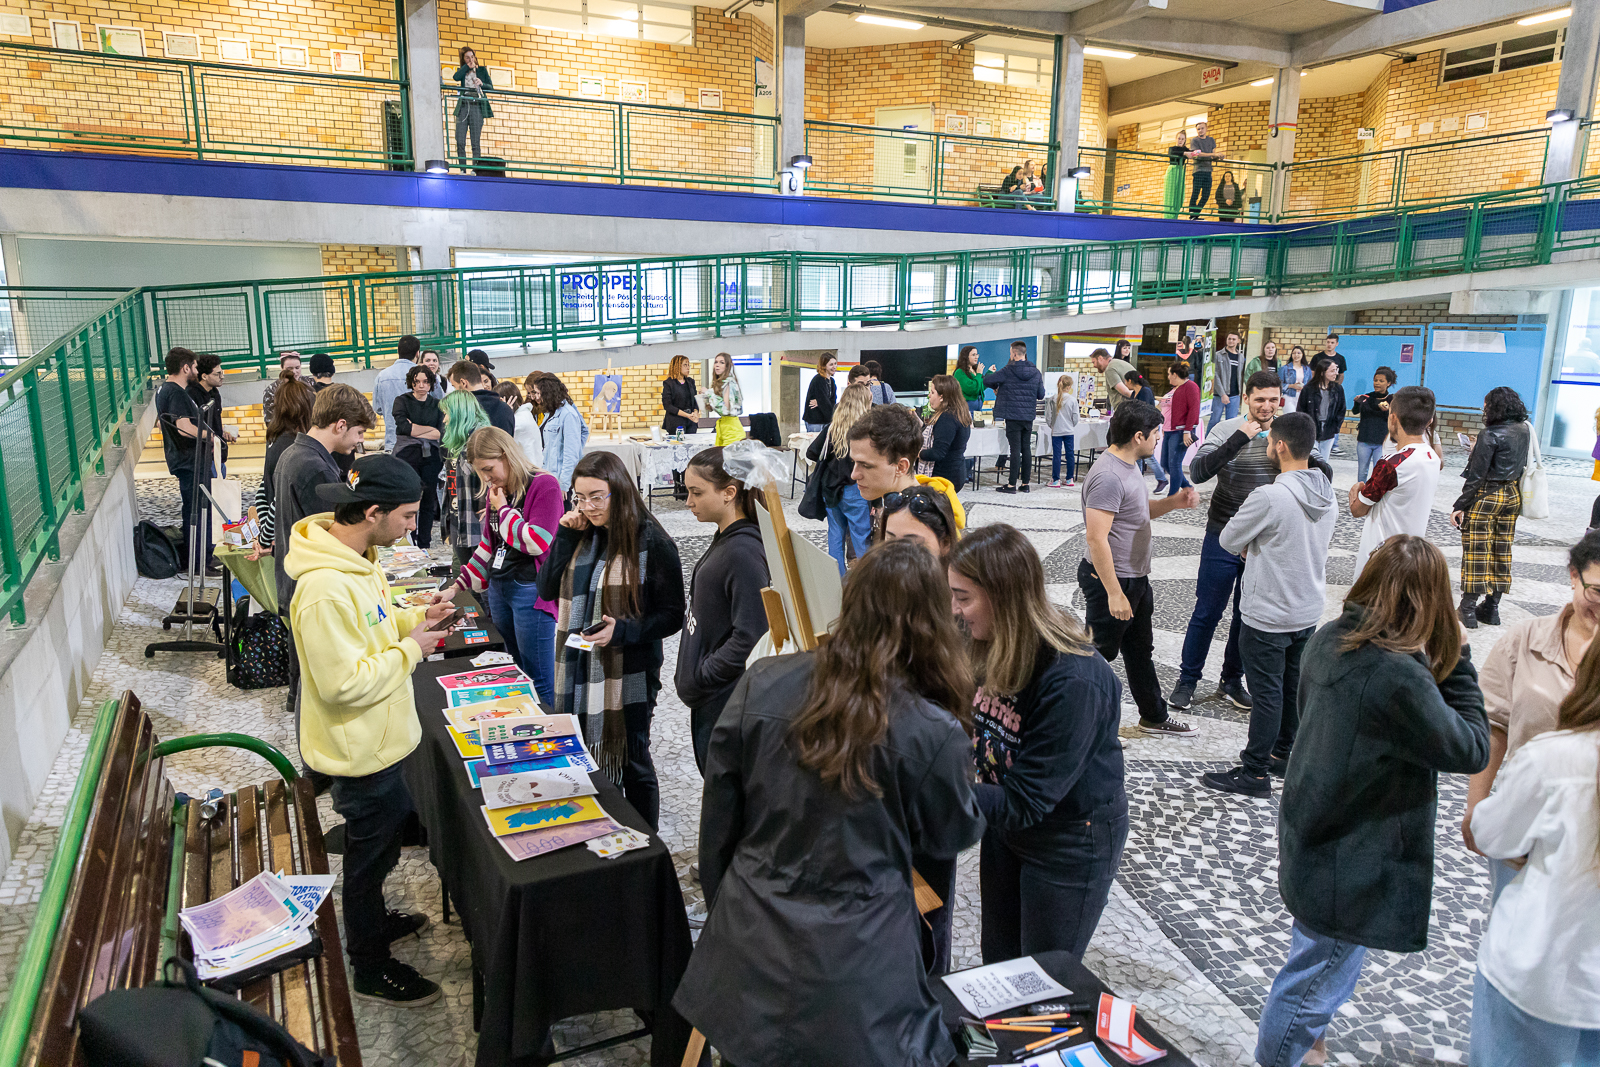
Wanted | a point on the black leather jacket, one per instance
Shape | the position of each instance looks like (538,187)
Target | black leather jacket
(1499,455)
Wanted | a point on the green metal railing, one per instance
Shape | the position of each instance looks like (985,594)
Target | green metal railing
(58,411)
(99,102)
(599,140)
(32,317)
(1135,183)
(933,168)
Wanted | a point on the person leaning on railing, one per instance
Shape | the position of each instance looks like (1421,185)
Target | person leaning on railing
(472,106)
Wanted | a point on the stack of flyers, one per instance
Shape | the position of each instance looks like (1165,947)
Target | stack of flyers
(263,918)
(1113,1024)
(466,717)
(615,844)
(408,556)
(491,659)
(503,821)
(503,728)
(478,769)
(512,790)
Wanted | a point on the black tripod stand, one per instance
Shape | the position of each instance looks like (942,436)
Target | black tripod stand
(198,604)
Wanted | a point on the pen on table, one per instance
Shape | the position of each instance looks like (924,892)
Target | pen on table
(1044,1044)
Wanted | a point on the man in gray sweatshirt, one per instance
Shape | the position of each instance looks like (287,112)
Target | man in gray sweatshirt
(1281,531)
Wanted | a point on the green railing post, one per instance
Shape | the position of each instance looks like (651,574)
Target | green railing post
(94,406)
(41,462)
(194,104)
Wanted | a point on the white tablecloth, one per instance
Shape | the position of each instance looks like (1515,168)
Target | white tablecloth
(991,441)
(630,452)
(653,462)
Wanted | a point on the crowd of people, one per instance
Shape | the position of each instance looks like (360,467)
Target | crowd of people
(954,703)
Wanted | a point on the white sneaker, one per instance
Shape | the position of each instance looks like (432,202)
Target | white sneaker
(1053,485)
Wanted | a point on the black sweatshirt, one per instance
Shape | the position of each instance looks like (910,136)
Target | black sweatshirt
(726,617)
(1050,755)
(825,391)
(1373,429)
(948,453)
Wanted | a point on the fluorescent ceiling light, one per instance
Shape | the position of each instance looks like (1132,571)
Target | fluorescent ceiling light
(1259,82)
(1109,53)
(893,24)
(1303,73)
(1548,16)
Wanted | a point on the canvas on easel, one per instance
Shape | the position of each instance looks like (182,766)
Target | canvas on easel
(605,407)
(803,600)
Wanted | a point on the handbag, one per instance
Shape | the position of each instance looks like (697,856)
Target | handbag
(260,658)
(811,500)
(1535,487)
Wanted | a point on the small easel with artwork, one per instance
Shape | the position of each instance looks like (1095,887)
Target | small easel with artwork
(605,408)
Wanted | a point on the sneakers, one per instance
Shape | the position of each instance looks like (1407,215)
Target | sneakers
(1236,781)
(398,984)
(1054,485)
(1161,487)
(1069,484)
(1236,693)
(1005,489)
(397,925)
(1280,766)
(1467,610)
(1489,610)
(1182,696)
(1023,488)
(1169,728)
(1337,451)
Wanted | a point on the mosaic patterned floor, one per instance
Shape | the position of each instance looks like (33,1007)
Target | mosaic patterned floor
(1195,929)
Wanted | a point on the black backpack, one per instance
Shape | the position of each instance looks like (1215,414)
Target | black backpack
(183,1024)
(157,550)
(260,658)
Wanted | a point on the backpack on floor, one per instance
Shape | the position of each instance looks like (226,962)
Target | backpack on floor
(156,551)
(184,1024)
(260,658)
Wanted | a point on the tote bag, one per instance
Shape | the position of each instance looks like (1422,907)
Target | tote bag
(1535,490)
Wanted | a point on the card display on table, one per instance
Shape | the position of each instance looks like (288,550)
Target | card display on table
(466,743)
(478,769)
(983,991)
(531,843)
(487,676)
(541,748)
(495,729)
(478,694)
(513,790)
(503,821)
(467,717)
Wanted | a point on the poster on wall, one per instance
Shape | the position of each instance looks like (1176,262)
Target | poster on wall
(180,45)
(66,34)
(16,26)
(343,62)
(710,99)
(591,85)
(607,394)
(633,92)
(547,81)
(955,124)
(233,50)
(503,77)
(766,87)
(1036,129)
(120,40)
(983,128)
(292,55)
(675,98)
(1011,131)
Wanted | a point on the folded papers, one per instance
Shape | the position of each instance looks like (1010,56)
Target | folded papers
(265,917)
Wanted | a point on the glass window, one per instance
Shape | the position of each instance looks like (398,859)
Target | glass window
(1575,385)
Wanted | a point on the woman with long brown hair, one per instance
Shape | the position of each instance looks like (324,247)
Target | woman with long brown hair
(1388,700)
(827,770)
(1536,998)
(725,400)
(1050,776)
(293,400)
(945,433)
(619,582)
(565,433)
(678,398)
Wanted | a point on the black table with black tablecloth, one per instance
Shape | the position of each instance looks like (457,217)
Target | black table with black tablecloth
(456,647)
(1064,968)
(563,934)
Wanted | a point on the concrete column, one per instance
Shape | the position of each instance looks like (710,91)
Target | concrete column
(1069,118)
(1580,66)
(791,85)
(422,66)
(1283,117)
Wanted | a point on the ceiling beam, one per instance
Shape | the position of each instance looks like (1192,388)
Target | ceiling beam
(1408,27)
(799,9)
(1230,42)
(1016,18)
(1178,84)
(1099,17)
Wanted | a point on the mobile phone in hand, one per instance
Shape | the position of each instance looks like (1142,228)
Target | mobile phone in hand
(595,629)
(448,621)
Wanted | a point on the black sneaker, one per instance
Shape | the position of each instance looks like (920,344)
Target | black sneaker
(1169,728)
(1236,781)
(1182,696)
(398,984)
(1236,693)
(1023,488)
(397,925)
(1280,766)
(1005,489)
(1489,610)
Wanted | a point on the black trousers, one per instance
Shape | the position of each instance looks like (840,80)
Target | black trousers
(941,878)
(1134,637)
(1200,193)
(1019,435)
(639,782)
(428,470)
(375,808)
(1272,674)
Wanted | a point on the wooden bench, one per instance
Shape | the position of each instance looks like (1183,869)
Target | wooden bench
(130,855)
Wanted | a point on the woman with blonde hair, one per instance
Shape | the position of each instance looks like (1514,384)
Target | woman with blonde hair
(520,520)
(829,454)
(1050,776)
(725,400)
(1061,417)
(1388,701)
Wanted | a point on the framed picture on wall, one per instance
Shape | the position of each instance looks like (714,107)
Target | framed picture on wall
(675,98)
(503,77)
(233,50)
(1036,129)
(1011,131)
(591,85)
(955,124)
(120,40)
(710,99)
(345,62)
(16,26)
(180,45)
(633,92)
(66,34)
(983,128)
(547,81)
(292,55)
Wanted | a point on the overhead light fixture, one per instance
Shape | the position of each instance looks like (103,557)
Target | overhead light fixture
(893,24)
(1560,114)
(1259,82)
(1548,16)
(1079,172)
(800,162)
(1303,73)
(1109,53)
(436,166)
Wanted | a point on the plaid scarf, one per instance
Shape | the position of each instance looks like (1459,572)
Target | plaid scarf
(593,683)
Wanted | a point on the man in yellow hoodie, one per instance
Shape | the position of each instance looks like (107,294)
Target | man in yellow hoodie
(358,718)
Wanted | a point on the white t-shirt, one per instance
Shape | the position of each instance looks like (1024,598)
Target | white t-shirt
(1400,492)
(529,436)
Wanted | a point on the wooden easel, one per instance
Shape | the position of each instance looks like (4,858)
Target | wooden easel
(605,421)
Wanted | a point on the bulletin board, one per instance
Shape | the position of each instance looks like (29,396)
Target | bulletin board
(1365,353)
(1465,362)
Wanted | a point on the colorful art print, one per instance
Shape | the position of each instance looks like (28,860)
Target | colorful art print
(502,728)
(466,744)
(607,394)
(501,675)
(503,821)
(419,599)
(633,92)
(478,769)
(505,754)
(477,637)
(120,40)
(531,843)
(458,697)
(466,717)
(513,790)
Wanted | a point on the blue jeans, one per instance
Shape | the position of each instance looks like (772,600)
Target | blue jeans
(1220,411)
(852,516)
(1503,1035)
(1318,977)
(1058,445)
(816,427)
(1324,449)
(1220,575)
(1172,450)
(1153,466)
(529,632)
(1366,457)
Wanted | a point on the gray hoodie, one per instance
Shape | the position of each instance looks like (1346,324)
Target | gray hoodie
(1286,525)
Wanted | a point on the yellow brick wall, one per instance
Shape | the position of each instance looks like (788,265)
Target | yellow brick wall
(641,394)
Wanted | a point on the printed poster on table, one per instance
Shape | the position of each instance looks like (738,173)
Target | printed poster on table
(531,843)
(488,676)
(532,727)
(460,697)
(503,821)
(983,991)
(514,790)
(479,769)
(466,717)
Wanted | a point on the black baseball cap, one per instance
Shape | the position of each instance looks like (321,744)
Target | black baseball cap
(375,479)
(481,358)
